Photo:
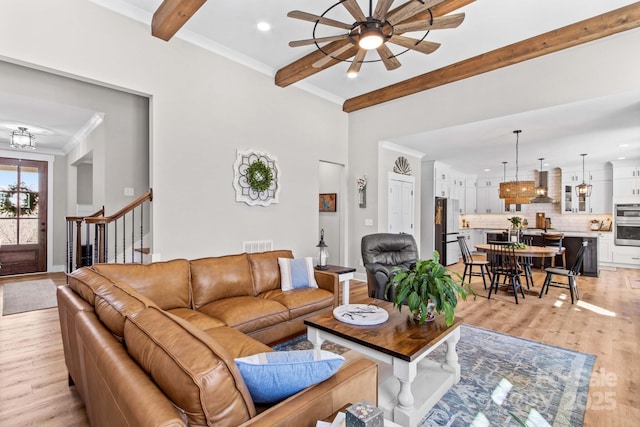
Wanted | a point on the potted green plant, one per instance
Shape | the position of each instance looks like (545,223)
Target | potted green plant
(516,222)
(426,287)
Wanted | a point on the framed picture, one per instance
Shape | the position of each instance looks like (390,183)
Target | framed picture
(327,202)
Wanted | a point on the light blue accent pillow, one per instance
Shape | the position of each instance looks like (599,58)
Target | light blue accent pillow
(297,273)
(274,376)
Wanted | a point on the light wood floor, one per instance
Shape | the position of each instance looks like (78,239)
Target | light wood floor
(33,377)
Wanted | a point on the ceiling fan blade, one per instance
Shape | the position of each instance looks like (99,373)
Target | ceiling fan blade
(414,44)
(306,42)
(409,9)
(355,10)
(357,61)
(439,23)
(327,58)
(316,18)
(382,7)
(388,59)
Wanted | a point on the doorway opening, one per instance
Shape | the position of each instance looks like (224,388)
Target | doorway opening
(332,182)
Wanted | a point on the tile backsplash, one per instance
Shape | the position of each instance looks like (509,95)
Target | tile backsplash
(567,222)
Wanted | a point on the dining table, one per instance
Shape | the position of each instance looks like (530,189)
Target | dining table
(532,251)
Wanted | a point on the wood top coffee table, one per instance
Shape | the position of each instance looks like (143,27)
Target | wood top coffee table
(417,382)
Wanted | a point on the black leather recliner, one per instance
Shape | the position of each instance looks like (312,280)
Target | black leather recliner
(380,253)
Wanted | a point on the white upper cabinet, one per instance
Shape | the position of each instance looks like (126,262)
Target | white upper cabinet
(626,181)
(601,199)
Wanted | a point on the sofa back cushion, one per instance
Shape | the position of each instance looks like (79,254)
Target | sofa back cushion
(217,278)
(265,270)
(164,283)
(111,300)
(191,368)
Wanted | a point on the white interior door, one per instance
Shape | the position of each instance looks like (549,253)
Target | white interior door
(401,204)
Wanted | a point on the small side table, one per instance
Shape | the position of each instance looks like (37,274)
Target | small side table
(344,275)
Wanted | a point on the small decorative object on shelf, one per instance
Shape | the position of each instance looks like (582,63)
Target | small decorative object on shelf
(402,166)
(323,255)
(362,191)
(364,414)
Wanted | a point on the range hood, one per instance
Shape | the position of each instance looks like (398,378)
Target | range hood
(543,180)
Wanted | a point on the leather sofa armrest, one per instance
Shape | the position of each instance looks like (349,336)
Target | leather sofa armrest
(329,281)
(355,381)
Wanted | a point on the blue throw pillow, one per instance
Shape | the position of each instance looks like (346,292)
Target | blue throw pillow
(274,376)
(296,273)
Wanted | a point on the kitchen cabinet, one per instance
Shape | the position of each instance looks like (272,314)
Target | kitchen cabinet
(601,199)
(605,247)
(456,190)
(626,182)
(470,196)
(442,183)
(487,196)
(626,255)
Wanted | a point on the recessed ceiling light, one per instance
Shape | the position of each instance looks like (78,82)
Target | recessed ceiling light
(546,164)
(264,26)
(352,74)
(487,170)
(621,158)
(623,145)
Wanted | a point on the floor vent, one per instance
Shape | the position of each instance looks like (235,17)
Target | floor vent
(257,246)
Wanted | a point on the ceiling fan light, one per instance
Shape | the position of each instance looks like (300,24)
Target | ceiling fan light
(370,38)
(352,74)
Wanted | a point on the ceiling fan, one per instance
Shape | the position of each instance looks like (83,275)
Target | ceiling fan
(374,31)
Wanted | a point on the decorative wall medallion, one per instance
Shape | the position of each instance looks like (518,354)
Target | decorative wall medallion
(402,166)
(256,178)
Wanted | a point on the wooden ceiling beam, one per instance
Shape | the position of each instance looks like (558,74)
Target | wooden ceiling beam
(171,15)
(302,68)
(607,24)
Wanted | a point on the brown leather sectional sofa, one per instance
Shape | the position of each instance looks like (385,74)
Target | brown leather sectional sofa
(154,344)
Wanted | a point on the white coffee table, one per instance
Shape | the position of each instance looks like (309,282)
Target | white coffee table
(418,382)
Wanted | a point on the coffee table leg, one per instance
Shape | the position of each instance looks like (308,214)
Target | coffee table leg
(405,372)
(452,355)
(313,335)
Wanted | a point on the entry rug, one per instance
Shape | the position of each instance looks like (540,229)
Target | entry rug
(20,297)
(501,374)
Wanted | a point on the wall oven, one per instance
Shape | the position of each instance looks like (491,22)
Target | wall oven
(627,230)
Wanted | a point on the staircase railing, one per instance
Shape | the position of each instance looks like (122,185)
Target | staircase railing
(116,238)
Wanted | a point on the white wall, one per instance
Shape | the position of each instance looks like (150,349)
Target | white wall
(204,107)
(599,68)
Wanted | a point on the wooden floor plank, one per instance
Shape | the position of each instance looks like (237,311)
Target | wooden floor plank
(33,376)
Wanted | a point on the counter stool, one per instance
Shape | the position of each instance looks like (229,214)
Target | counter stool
(554,240)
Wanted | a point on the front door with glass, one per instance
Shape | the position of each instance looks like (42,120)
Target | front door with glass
(23,216)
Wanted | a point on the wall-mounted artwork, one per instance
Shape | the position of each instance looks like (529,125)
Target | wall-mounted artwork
(327,202)
(256,178)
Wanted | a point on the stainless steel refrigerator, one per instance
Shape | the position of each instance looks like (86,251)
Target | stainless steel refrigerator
(447,229)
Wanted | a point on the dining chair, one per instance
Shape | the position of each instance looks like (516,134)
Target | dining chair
(504,263)
(554,239)
(526,262)
(469,263)
(570,274)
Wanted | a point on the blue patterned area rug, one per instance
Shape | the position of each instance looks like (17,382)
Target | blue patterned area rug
(502,374)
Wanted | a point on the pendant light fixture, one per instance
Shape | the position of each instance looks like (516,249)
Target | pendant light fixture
(517,192)
(584,189)
(22,139)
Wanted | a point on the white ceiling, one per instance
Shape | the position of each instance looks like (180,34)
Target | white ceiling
(230,29)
